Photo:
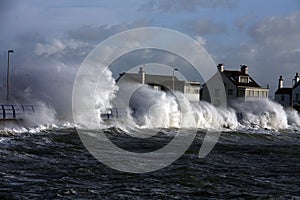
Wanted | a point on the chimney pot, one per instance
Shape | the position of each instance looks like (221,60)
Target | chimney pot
(142,75)
(221,67)
(280,84)
(244,69)
(297,78)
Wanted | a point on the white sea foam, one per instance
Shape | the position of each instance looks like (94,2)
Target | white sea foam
(43,114)
(154,109)
(262,113)
(149,108)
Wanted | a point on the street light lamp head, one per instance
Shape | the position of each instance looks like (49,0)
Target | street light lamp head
(11,51)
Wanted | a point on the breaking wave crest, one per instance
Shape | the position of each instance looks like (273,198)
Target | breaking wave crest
(149,108)
(157,109)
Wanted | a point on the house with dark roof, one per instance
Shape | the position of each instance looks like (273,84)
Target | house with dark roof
(289,96)
(238,85)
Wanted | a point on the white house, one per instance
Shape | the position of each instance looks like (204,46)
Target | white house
(191,89)
(284,95)
(239,85)
(296,95)
(289,96)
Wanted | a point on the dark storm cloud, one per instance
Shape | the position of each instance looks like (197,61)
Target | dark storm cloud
(184,5)
(276,29)
(96,34)
(5,7)
(44,68)
(273,49)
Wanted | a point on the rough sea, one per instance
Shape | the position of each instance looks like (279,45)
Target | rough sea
(51,162)
(257,155)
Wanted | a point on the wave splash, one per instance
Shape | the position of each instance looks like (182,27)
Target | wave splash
(154,109)
(150,108)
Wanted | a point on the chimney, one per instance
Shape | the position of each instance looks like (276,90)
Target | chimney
(244,69)
(280,84)
(297,78)
(142,75)
(221,67)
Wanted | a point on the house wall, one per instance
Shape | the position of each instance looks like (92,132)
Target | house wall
(283,99)
(214,88)
(230,89)
(252,94)
(296,96)
(192,91)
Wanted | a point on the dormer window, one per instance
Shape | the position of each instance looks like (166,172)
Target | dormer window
(244,79)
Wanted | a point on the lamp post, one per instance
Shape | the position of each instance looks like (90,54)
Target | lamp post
(7,77)
(173,77)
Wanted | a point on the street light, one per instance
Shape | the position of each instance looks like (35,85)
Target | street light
(7,77)
(173,77)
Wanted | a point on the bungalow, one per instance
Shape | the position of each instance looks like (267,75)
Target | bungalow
(191,89)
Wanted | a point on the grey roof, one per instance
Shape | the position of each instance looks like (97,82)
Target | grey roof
(284,91)
(296,85)
(154,79)
(233,76)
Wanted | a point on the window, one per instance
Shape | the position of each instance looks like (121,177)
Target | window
(217,102)
(256,93)
(230,92)
(248,93)
(282,97)
(217,92)
(243,79)
(241,93)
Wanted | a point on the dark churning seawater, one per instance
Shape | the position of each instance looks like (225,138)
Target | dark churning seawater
(52,163)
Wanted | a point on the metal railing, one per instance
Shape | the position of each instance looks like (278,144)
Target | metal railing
(14,112)
(115,113)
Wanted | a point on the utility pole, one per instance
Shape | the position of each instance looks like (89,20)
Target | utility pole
(7,77)
(173,77)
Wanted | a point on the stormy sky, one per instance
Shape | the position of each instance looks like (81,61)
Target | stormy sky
(52,38)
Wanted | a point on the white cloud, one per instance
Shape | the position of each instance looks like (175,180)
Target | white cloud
(54,47)
(200,40)
(273,49)
(58,47)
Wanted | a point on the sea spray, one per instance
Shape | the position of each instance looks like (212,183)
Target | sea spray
(43,114)
(158,109)
(293,118)
(262,113)
(93,91)
(153,108)
(105,93)
(150,108)
(211,117)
